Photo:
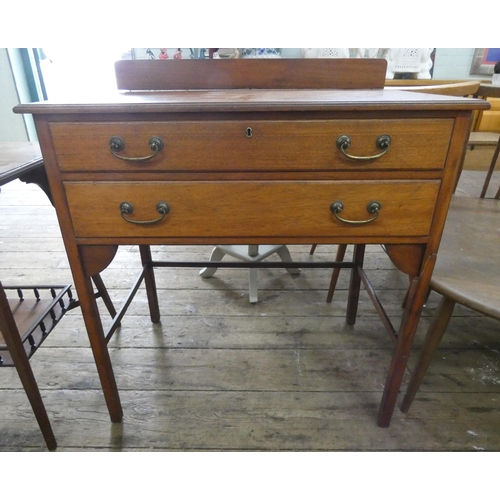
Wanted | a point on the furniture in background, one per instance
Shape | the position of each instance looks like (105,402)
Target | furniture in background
(23,161)
(491,139)
(259,53)
(466,272)
(416,61)
(326,53)
(332,157)
(249,253)
(486,138)
(477,137)
(25,322)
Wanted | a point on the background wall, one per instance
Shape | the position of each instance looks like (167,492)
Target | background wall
(12,126)
(94,72)
(449,64)
(453,64)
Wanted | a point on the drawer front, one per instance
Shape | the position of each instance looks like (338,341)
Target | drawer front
(253,145)
(251,209)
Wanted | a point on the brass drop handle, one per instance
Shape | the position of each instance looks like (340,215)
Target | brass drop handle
(383,142)
(118,144)
(373,208)
(127,208)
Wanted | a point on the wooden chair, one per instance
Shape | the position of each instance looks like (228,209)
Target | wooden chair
(440,87)
(487,139)
(24,324)
(466,272)
(477,138)
(484,138)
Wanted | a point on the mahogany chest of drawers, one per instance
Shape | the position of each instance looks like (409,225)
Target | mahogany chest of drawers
(253,166)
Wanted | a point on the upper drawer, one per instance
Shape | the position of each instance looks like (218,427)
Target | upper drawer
(253,145)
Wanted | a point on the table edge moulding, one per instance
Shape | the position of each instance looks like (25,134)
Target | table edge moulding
(336,186)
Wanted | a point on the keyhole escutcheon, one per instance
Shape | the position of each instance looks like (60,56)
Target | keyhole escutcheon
(249,132)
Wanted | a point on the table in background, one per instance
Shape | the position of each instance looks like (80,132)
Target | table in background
(23,160)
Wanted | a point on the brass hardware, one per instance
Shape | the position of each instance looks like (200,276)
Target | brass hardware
(373,208)
(118,144)
(249,132)
(127,208)
(383,142)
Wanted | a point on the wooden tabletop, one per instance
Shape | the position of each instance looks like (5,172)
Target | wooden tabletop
(18,158)
(467,268)
(252,100)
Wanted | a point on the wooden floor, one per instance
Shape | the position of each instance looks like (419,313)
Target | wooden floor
(219,373)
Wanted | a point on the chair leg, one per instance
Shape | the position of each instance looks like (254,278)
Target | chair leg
(103,292)
(355,285)
(336,271)
(284,255)
(217,255)
(432,340)
(252,285)
(490,173)
(313,248)
(405,298)
(150,283)
(21,362)
(253,251)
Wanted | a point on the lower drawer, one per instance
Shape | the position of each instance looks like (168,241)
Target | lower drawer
(287,209)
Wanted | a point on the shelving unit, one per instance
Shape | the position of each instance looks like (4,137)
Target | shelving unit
(36,311)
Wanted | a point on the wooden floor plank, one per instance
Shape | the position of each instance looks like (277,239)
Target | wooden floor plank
(221,374)
(275,370)
(222,420)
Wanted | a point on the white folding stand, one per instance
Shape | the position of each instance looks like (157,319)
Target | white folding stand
(249,253)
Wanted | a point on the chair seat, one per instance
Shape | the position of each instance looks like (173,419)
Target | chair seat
(483,139)
(466,273)
(466,269)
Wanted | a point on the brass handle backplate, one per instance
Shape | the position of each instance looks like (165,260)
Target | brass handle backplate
(126,208)
(118,144)
(383,142)
(373,208)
